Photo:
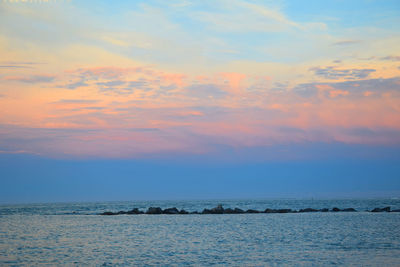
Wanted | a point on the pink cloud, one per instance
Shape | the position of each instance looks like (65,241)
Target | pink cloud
(198,112)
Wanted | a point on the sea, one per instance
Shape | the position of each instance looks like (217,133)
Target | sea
(73,234)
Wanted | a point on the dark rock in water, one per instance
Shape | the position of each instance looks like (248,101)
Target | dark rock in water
(277,211)
(154,210)
(171,211)
(284,210)
(229,211)
(386,209)
(220,210)
(398,210)
(308,210)
(233,211)
(121,212)
(108,213)
(206,211)
(252,211)
(135,211)
(349,210)
(217,210)
(183,212)
(238,211)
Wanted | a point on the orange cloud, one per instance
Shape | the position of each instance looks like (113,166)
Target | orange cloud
(324,87)
(175,78)
(234,79)
(368,93)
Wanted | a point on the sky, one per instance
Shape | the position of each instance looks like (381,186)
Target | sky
(124,100)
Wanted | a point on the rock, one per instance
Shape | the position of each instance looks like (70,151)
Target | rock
(229,211)
(183,212)
(284,210)
(277,211)
(121,212)
(108,213)
(386,209)
(135,211)
(154,210)
(217,210)
(238,211)
(206,211)
(171,211)
(220,210)
(308,210)
(252,211)
(349,210)
(233,211)
(397,210)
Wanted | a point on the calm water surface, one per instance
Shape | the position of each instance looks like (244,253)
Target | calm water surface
(71,234)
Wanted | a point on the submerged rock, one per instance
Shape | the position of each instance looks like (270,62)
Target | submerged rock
(324,210)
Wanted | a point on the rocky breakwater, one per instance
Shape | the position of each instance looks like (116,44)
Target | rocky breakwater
(220,210)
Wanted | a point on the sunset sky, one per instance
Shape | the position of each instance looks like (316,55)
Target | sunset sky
(199,99)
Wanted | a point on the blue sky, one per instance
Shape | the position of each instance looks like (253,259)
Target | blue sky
(320,171)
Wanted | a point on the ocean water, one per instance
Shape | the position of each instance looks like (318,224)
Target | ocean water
(72,234)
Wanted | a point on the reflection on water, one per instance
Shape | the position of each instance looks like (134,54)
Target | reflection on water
(33,238)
